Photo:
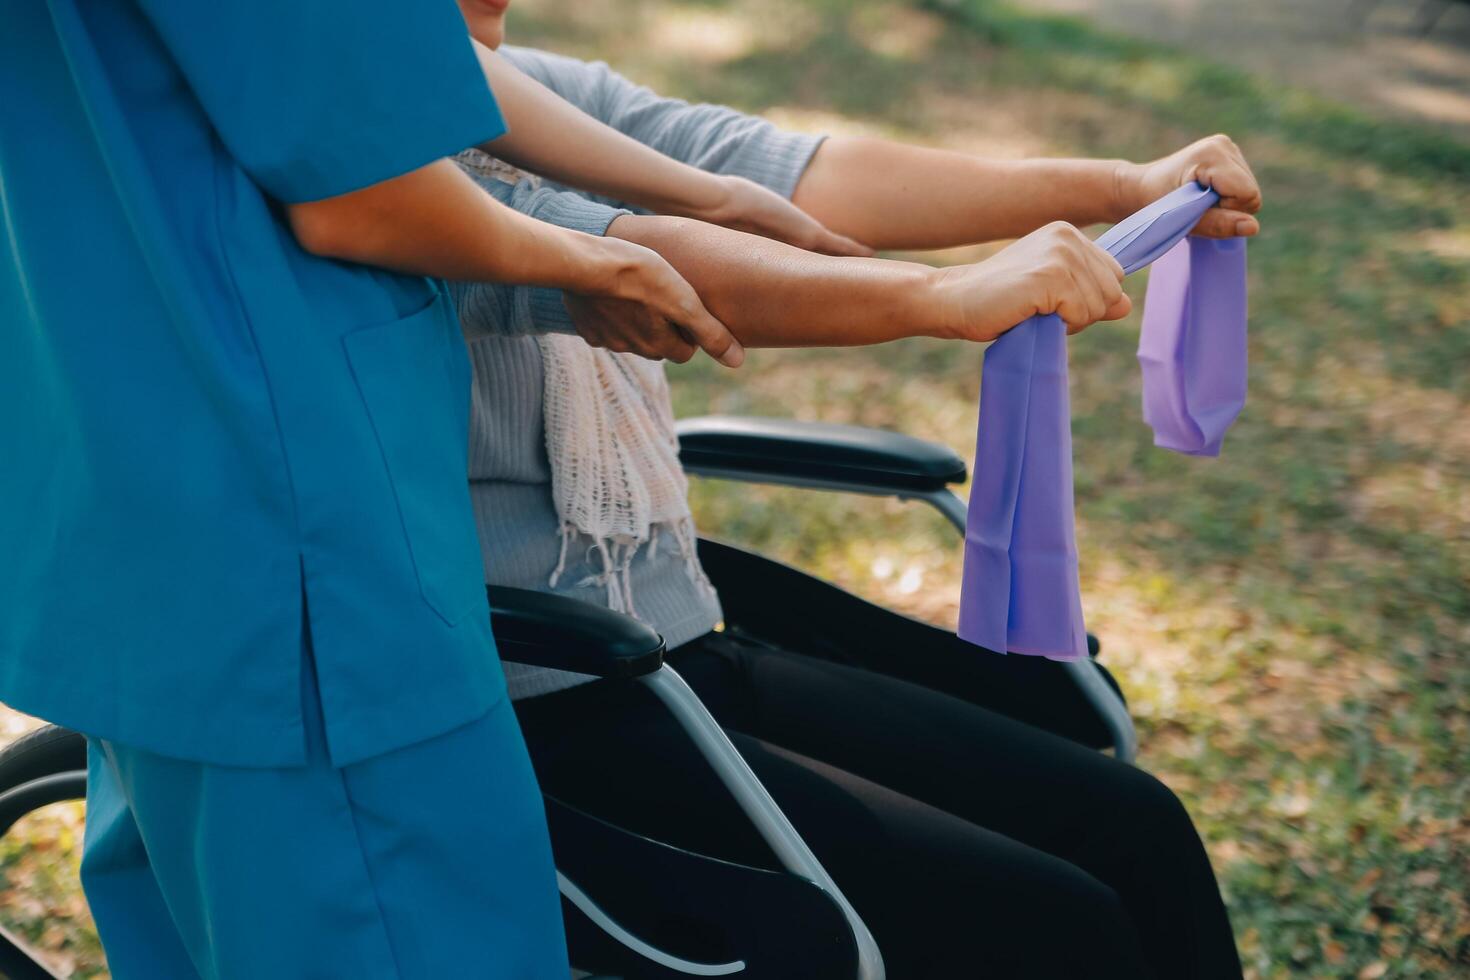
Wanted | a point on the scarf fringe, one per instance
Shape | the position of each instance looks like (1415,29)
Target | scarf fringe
(617,554)
(613,450)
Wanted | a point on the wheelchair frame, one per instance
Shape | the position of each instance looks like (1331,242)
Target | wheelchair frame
(784,452)
(592,640)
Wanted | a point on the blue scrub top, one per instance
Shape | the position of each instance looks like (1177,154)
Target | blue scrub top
(210,439)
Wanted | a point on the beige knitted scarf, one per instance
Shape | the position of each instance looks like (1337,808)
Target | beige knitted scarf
(612,448)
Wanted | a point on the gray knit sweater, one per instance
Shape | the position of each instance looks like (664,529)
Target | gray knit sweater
(510,477)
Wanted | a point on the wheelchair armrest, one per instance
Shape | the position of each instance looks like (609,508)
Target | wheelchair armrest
(547,630)
(841,457)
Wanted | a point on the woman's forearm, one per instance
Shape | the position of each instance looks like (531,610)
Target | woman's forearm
(892,196)
(773,295)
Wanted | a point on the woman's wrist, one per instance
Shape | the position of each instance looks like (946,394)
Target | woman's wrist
(1128,191)
(938,307)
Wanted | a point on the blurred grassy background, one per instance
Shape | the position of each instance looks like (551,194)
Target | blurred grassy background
(1291,621)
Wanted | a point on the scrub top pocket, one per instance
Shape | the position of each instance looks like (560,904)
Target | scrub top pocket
(414,377)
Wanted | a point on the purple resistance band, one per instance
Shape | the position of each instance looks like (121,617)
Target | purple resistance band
(1020,592)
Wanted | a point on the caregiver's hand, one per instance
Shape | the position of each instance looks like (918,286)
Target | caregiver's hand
(1055,269)
(1214,161)
(549,136)
(745,205)
(638,303)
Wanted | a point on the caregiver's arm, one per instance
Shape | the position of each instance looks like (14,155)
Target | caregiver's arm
(549,136)
(772,295)
(343,136)
(436,221)
(929,198)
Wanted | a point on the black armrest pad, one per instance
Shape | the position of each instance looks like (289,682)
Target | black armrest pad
(817,451)
(547,630)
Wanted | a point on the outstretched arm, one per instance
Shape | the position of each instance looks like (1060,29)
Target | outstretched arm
(549,136)
(927,198)
(773,295)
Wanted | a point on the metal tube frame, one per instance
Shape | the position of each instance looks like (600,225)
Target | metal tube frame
(762,811)
(1084,673)
(647,950)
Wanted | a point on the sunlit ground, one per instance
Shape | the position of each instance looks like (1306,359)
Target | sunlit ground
(1291,621)
(1373,53)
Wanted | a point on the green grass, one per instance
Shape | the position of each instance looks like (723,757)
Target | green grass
(1066,52)
(40,894)
(1291,621)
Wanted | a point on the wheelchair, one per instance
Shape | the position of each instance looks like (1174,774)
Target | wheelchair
(713,917)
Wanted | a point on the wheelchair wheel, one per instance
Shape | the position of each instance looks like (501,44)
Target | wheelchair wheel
(49,765)
(46,766)
(47,751)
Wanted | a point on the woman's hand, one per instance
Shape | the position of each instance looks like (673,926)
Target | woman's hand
(1055,269)
(1214,161)
(634,301)
(747,206)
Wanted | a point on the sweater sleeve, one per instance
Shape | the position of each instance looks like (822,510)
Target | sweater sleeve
(511,309)
(711,137)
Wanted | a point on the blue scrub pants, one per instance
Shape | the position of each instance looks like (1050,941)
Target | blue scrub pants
(431,861)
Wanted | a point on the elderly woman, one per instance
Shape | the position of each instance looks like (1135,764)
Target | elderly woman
(967,840)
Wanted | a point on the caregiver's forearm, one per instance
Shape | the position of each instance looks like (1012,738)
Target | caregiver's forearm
(773,295)
(435,221)
(549,136)
(892,196)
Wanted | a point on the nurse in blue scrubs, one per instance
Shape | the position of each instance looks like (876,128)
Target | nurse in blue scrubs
(237,544)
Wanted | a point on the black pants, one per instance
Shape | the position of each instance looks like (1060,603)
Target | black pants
(970,843)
